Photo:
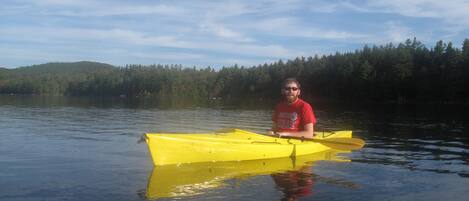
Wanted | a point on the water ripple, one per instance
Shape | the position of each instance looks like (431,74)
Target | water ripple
(439,156)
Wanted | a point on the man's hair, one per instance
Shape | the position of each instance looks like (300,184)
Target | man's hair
(290,80)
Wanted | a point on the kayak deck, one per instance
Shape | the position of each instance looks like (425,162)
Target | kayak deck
(230,145)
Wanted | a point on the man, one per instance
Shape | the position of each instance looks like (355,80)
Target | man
(293,117)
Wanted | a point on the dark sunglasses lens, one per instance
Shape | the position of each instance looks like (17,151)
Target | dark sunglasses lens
(291,88)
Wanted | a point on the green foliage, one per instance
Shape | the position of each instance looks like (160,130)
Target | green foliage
(404,72)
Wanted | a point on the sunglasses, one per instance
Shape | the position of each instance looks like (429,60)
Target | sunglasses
(290,88)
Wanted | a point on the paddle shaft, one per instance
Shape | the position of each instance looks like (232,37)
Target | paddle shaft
(344,143)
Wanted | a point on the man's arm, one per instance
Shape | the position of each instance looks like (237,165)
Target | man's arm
(274,128)
(307,133)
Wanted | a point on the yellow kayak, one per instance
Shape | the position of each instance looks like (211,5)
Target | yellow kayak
(232,145)
(191,179)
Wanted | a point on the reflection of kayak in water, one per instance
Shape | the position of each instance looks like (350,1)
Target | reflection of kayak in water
(192,179)
(239,145)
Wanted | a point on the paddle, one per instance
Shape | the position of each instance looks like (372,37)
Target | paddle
(341,143)
(336,143)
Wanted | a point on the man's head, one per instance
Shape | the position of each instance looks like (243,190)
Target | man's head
(291,89)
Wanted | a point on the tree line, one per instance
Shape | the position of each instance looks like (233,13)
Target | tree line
(404,72)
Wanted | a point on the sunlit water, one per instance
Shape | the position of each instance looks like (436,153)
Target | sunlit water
(88,150)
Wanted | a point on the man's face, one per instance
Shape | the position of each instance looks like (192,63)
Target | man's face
(291,92)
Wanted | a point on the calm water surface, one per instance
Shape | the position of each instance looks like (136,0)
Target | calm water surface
(86,149)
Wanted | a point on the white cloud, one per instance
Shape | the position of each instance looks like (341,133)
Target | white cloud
(80,3)
(289,26)
(55,35)
(220,30)
(397,32)
(324,7)
(416,8)
(275,51)
(452,12)
(124,10)
(91,8)
(133,39)
(451,17)
(168,56)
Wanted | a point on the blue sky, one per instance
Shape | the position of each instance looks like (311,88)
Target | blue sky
(216,33)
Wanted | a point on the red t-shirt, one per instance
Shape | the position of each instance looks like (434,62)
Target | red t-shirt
(293,117)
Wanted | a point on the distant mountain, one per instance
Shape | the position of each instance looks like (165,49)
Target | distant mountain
(54,78)
(3,72)
(63,68)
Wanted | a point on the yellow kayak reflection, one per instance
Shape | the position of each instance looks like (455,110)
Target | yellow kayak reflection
(193,178)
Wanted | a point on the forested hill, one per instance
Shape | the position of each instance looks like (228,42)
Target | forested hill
(404,72)
(50,78)
(63,68)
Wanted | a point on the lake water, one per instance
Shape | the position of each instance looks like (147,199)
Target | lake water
(86,149)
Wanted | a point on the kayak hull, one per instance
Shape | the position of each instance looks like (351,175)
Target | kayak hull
(229,145)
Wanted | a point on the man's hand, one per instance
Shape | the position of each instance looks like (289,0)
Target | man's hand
(284,134)
(277,134)
(299,135)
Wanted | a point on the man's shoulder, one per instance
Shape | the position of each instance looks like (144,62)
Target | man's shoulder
(303,103)
(279,104)
(300,103)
